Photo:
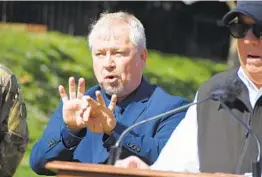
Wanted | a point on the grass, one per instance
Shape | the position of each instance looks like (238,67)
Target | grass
(43,61)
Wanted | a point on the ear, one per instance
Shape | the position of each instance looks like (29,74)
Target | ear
(143,56)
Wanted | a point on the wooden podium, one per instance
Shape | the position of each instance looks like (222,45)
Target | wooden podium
(72,169)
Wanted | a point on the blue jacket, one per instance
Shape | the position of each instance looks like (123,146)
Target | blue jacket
(145,141)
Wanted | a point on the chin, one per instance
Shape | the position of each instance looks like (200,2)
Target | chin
(255,77)
(255,71)
(113,90)
(251,69)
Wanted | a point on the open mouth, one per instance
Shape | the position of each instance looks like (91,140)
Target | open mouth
(253,56)
(111,78)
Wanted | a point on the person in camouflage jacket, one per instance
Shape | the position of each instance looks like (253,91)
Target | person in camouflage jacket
(13,126)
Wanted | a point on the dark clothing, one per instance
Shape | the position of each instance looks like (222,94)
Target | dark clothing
(224,145)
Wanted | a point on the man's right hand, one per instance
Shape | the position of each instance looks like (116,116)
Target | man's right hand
(74,105)
(81,111)
(132,162)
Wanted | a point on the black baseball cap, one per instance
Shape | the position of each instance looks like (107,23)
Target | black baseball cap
(252,9)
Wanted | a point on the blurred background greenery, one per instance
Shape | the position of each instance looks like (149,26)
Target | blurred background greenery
(42,61)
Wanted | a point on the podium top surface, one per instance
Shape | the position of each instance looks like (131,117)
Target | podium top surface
(59,166)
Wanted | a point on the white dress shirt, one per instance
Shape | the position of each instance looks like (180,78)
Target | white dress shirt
(181,151)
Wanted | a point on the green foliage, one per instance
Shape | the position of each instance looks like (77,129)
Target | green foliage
(43,61)
(180,75)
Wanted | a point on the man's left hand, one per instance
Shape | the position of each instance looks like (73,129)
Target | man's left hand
(100,117)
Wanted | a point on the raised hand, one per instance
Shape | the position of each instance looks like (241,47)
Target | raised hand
(100,118)
(74,105)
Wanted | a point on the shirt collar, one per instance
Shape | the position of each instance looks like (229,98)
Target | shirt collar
(249,84)
(253,91)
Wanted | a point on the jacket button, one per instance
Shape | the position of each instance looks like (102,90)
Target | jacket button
(129,145)
(133,147)
(51,143)
(138,149)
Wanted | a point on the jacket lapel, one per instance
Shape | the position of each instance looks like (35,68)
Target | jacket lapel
(130,115)
(244,95)
(134,111)
(136,103)
(134,107)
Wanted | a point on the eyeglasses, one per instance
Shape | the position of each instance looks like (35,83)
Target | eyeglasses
(240,30)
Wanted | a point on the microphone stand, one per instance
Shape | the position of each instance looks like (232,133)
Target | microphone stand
(115,150)
(256,168)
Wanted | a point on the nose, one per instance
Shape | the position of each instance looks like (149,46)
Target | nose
(109,63)
(251,39)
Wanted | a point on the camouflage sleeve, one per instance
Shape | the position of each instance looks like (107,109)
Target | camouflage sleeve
(13,126)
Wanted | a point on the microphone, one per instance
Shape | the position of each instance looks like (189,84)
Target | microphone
(231,92)
(115,150)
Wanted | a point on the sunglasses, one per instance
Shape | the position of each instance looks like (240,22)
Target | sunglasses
(240,30)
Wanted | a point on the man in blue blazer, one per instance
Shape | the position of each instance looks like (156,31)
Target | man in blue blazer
(87,124)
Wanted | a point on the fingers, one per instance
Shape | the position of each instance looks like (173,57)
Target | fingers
(100,99)
(81,88)
(72,88)
(113,101)
(132,162)
(129,162)
(86,114)
(62,93)
(91,102)
(121,163)
(72,106)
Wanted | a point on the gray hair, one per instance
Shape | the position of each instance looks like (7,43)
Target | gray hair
(137,31)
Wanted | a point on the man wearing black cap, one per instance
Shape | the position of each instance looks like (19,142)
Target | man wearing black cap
(209,139)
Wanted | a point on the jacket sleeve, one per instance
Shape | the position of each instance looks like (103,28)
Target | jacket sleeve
(182,145)
(13,129)
(145,147)
(56,143)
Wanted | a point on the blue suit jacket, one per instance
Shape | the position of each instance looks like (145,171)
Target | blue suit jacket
(145,141)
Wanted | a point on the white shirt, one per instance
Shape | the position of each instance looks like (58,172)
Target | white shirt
(181,151)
